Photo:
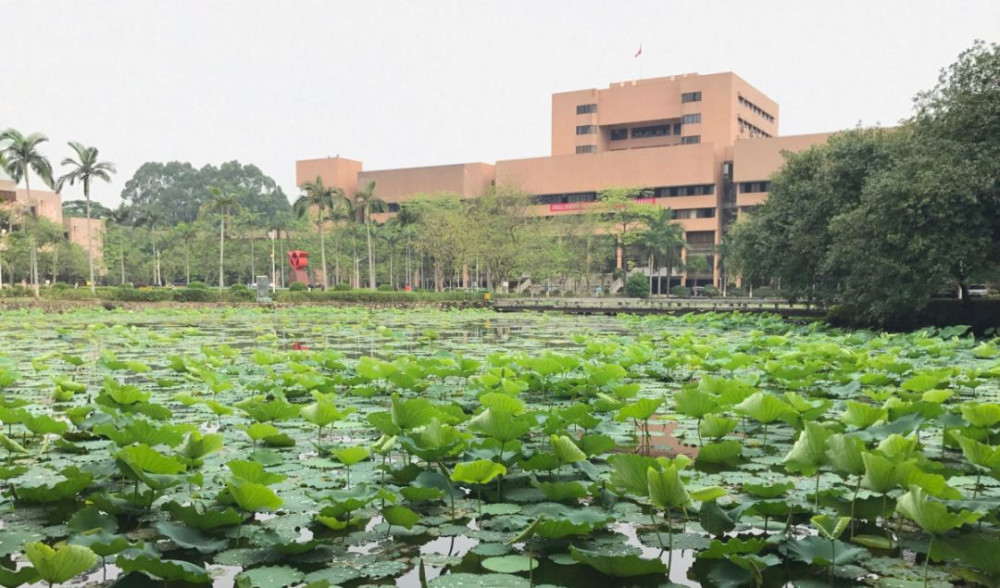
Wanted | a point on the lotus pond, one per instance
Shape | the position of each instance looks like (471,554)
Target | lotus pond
(349,447)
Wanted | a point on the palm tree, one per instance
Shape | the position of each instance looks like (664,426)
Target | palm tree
(406,219)
(83,171)
(224,203)
(322,198)
(153,219)
(341,213)
(120,217)
(663,240)
(21,157)
(370,203)
(187,232)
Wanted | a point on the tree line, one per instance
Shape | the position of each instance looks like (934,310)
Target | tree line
(880,221)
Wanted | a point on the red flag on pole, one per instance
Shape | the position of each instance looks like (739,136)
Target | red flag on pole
(639,52)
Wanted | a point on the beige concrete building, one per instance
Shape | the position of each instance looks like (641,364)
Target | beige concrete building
(704,146)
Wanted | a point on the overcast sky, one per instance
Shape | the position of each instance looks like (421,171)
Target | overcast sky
(404,84)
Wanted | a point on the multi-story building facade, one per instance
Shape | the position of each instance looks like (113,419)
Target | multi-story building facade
(48,205)
(703,145)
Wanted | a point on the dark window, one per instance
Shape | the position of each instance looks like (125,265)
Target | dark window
(691,140)
(682,214)
(653,131)
(672,191)
(691,97)
(755,187)
(619,134)
(394,207)
(586,148)
(586,129)
(586,108)
(691,118)
(700,239)
(677,129)
(705,213)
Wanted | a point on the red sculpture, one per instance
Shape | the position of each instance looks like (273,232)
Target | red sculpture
(298,259)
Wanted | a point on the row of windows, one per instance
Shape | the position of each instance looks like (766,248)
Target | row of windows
(586,149)
(754,187)
(691,97)
(700,239)
(655,131)
(757,109)
(689,213)
(586,108)
(746,127)
(691,118)
(673,191)
(692,140)
(586,129)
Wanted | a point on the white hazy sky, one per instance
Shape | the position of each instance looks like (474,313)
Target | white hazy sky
(403,84)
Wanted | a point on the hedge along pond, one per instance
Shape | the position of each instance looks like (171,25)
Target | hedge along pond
(346,447)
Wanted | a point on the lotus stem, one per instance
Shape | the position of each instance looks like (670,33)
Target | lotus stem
(927,561)
(670,535)
(853,501)
(652,519)
(817,491)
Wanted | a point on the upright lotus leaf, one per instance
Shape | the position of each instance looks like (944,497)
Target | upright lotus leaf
(558,521)
(882,475)
(932,516)
(351,455)
(642,409)
(980,454)
(830,527)
(190,538)
(322,414)
(400,516)
(809,452)
(984,415)
(500,425)
(666,489)
(565,450)
(251,471)
(150,466)
(716,426)
(618,566)
(695,403)
(269,411)
(149,562)
(844,452)
(593,445)
(261,431)
(630,473)
(412,413)
(384,445)
(764,408)
(43,424)
(434,441)
(861,415)
(898,446)
(501,402)
(196,446)
(56,566)
(925,382)
(13,578)
(252,497)
(481,471)
(205,518)
(11,446)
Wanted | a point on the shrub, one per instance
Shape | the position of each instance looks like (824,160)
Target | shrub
(16,292)
(734,292)
(710,291)
(681,291)
(342,287)
(241,293)
(129,294)
(637,286)
(385,288)
(60,286)
(196,285)
(297,287)
(765,292)
(190,294)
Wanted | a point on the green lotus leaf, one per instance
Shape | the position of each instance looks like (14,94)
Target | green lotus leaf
(557,521)
(12,579)
(932,516)
(323,413)
(695,403)
(269,577)
(270,411)
(420,494)
(883,475)
(351,455)
(565,450)
(830,527)
(715,426)
(666,489)
(251,496)
(539,461)
(809,452)
(412,413)
(146,459)
(56,566)
(844,452)
(642,409)
(102,542)
(481,471)
(816,550)
(201,517)
(975,549)
(74,481)
(721,452)
(897,446)
(251,471)
(465,580)
(140,560)
(719,550)
(618,566)
(715,520)
(11,446)
(764,408)
(861,415)
(196,446)
(563,491)
(500,425)
(630,473)
(190,538)
(400,516)
(509,564)
(43,424)
(501,402)
(984,414)
(980,454)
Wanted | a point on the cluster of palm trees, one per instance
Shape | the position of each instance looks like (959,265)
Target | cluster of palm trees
(328,204)
(20,156)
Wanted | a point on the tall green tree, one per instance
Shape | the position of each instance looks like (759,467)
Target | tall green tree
(84,169)
(369,203)
(663,241)
(21,158)
(225,204)
(319,200)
